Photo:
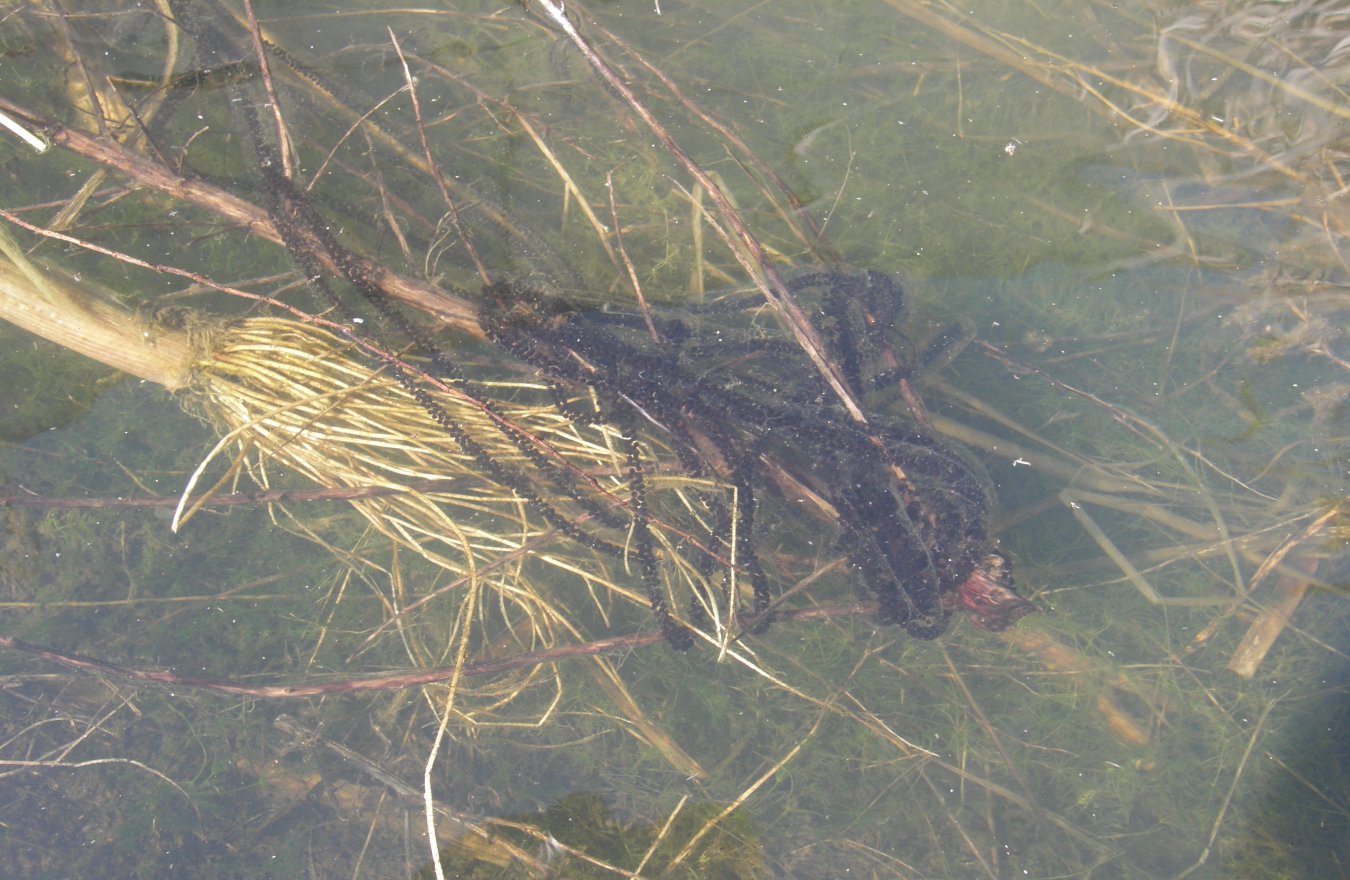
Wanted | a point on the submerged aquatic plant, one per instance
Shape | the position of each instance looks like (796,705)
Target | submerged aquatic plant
(644,425)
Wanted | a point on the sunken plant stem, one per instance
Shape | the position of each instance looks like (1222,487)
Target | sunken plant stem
(81,318)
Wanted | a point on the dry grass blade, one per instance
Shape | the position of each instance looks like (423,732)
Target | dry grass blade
(744,245)
(297,396)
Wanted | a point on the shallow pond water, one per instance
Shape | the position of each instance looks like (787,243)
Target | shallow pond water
(1137,217)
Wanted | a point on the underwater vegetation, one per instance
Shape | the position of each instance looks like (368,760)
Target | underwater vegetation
(488,352)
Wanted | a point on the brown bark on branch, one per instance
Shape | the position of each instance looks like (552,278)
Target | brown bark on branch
(107,152)
(390,681)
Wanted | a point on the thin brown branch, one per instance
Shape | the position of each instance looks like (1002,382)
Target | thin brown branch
(816,242)
(435,167)
(234,499)
(750,253)
(390,681)
(265,69)
(414,292)
(628,262)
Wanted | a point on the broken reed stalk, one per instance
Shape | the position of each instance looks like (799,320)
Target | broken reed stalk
(1271,622)
(90,322)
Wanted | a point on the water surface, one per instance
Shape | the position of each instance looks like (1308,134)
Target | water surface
(1146,235)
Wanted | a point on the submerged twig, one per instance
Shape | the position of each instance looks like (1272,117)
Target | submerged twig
(750,253)
(414,292)
(1257,730)
(390,681)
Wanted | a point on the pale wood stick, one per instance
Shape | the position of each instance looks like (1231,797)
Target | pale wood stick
(1271,622)
(78,317)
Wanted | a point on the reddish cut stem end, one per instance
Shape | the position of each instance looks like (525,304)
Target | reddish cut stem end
(987,596)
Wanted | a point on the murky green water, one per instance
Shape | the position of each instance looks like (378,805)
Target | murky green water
(1147,236)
